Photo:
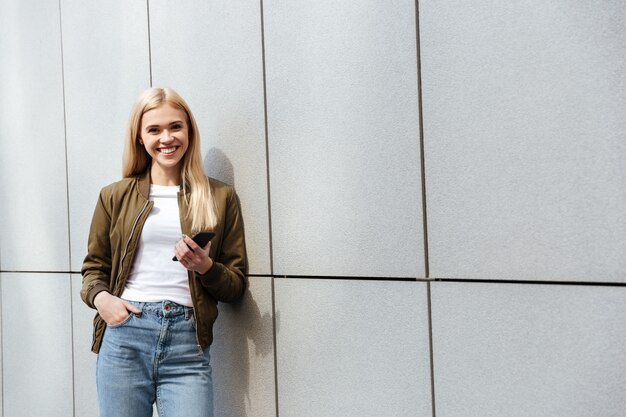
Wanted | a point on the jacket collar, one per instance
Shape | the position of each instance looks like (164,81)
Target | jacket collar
(143,184)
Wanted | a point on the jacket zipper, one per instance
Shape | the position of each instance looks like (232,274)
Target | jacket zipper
(132,232)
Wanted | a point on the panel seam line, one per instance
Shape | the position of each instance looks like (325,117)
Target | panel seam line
(269,204)
(420,104)
(67,194)
(430,348)
(267,148)
(421,140)
(394,279)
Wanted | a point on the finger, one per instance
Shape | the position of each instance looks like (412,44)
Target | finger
(178,253)
(131,307)
(192,245)
(182,250)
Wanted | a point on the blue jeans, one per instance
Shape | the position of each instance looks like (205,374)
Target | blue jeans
(154,356)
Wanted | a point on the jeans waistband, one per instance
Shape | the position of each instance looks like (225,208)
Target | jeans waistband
(164,308)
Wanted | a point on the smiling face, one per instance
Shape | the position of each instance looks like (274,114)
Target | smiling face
(165,135)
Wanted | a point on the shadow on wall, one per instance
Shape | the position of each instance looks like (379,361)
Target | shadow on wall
(239,324)
(218,166)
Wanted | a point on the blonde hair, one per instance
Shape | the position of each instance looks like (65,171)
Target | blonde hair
(200,203)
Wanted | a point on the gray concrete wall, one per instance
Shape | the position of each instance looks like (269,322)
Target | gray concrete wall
(433,194)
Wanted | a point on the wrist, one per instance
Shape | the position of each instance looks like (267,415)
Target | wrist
(100,297)
(206,267)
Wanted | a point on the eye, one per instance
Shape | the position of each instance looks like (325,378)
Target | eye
(153,130)
(177,126)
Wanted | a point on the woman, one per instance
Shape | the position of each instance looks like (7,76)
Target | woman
(155,316)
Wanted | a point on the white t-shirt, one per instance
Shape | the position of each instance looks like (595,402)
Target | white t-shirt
(154,276)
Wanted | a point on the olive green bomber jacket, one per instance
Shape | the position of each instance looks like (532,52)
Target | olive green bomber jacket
(117,222)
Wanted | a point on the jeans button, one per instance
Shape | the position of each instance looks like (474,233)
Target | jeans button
(168,307)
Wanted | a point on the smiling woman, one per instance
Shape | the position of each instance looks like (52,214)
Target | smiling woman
(154,321)
(164,133)
(152,105)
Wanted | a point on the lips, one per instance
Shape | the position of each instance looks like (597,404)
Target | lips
(168,151)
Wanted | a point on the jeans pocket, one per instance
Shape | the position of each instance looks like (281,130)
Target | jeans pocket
(121,323)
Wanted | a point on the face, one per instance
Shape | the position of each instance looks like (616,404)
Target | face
(165,135)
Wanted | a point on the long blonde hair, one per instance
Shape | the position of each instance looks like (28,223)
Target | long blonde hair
(196,189)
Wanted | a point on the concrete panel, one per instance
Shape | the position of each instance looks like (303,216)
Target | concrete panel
(242,355)
(37,345)
(343,134)
(352,348)
(525,138)
(85,396)
(216,65)
(33,188)
(106,63)
(529,350)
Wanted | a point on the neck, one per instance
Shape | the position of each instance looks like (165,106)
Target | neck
(159,176)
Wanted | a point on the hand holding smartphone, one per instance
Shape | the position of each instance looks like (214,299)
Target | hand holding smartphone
(202,238)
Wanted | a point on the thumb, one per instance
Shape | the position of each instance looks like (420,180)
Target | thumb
(207,247)
(131,307)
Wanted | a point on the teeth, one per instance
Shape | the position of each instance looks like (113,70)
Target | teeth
(168,150)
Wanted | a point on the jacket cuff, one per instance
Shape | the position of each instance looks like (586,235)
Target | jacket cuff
(97,289)
(213,276)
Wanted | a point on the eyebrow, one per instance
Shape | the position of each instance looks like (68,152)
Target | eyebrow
(170,124)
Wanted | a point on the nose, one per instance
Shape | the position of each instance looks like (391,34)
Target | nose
(166,136)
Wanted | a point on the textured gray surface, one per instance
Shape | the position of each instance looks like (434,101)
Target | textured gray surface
(343,138)
(352,348)
(525,138)
(37,345)
(529,350)
(33,192)
(106,66)
(242,355)
(85,397)
(525,156)
(216,65)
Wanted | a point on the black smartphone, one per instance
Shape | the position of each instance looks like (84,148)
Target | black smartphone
(202,238)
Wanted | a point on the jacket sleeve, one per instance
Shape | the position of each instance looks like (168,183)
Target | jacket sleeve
(225,281)
(96,269)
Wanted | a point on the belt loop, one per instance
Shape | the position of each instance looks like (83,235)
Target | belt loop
(188,312)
